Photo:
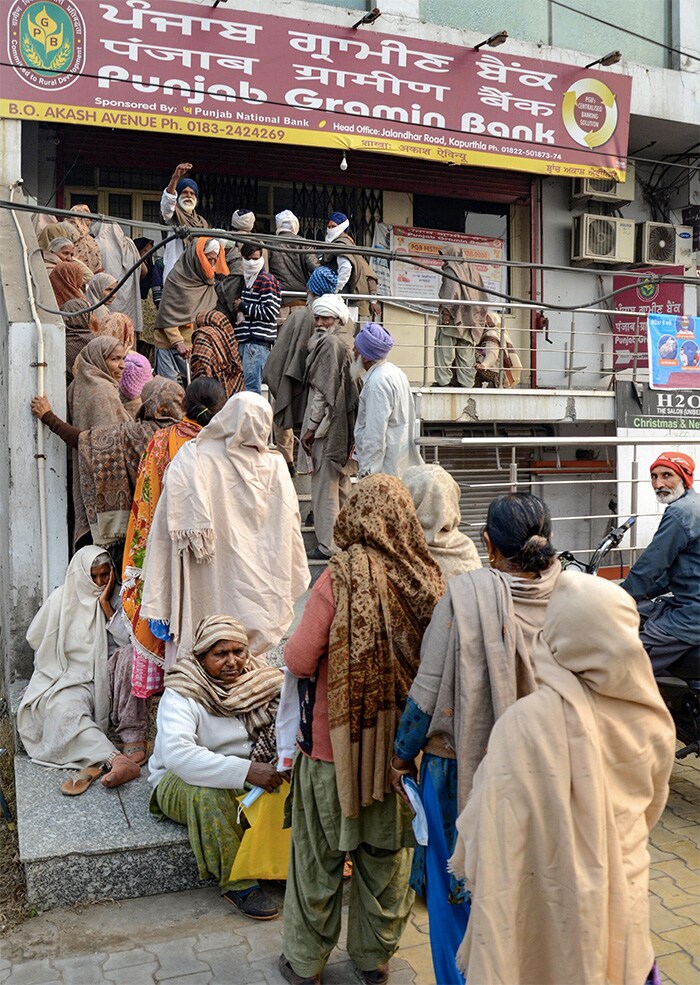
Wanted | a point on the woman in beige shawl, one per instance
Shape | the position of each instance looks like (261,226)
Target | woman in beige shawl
(119,255)
(86,249)
(436,495)
(475,662)
(553,841)
(97,290)
(226,535)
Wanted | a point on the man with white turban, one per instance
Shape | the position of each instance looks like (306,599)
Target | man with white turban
(291,265)
(385,431)
(329,420)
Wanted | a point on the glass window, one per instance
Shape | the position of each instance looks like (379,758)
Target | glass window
(528,21)
(78,198)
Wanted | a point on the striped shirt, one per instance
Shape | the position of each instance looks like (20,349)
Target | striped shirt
(260,303)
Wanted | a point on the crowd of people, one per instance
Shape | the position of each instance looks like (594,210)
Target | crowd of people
(518,697)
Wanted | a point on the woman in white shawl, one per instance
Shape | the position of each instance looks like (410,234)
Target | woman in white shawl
(65,710)
(435,495)
(553,841)
(475,662)
(226,535)
(119,254)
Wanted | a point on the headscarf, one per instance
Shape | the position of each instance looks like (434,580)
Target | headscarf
(215,351)
(342,223)
(189,287)
(137,372)
(187,183)
(436,496)
(322,280)
(373,342)
(80,329)
(243,221)
(286,222)
(95,292)
(58,243)
(683,465)
(253,696)
(553,840)
(110,456)
(69,638)
(86,249)
(118,326)
(385,587)
(226,536)
(93,396)
(57,230)
(67,281)
(331,305)
(119,255)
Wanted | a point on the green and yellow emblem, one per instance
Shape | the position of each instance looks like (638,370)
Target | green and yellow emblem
(47,41)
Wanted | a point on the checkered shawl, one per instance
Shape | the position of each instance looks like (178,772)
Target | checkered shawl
(215,351)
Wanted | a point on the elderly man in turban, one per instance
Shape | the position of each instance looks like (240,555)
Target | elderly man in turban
(292,265)
(386,417)
(671,563)
(178,207)
(329,421)
(216,724)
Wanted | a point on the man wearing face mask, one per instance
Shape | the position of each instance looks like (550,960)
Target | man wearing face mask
(355,276)
(178,207)
(670,624)
(256,313)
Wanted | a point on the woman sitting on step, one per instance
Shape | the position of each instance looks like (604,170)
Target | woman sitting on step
(216,733)
(82,680)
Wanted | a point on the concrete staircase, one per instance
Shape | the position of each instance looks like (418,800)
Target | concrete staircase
(104,844)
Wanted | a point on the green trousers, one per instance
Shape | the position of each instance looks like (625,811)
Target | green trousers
(210,816)
(461,351)
(380,897)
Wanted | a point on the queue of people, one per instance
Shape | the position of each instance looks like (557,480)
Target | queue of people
(516,700)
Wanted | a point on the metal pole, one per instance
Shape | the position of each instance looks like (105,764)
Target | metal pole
(426,342)
(513,472)
(634,501)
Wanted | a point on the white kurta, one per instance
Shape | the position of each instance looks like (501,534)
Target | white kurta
(386,423)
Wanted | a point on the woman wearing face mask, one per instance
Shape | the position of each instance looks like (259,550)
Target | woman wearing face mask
(178,207)
(256,312)
(188,290)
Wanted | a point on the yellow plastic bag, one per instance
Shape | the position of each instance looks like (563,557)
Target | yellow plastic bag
(264,849)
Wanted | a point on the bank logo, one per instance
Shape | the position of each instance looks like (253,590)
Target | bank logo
(647,289)
(47,42)
(589,111)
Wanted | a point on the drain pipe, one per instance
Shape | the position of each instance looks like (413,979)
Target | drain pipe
(40,364)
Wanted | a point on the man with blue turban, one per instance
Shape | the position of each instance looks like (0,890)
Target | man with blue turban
(355,276)
(178,207)
(386,417)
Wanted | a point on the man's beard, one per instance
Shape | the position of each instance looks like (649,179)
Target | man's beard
(357,370)
(187,204)
(667,496)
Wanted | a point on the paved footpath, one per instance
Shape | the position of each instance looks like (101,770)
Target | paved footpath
(194,938)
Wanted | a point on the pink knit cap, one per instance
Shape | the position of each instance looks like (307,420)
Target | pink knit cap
(137,373)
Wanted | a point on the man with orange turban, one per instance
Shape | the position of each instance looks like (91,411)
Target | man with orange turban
(670,624)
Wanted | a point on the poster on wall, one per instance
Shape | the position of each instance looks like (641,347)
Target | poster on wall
(639,407)
(674,352)
(203,69)
(409,281)
(644,295)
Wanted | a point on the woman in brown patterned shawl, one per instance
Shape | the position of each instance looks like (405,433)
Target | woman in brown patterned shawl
(215,351)
(356,651)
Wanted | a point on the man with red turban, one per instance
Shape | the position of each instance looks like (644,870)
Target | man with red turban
(670,624)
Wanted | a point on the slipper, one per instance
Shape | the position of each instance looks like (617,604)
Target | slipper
(79,784)
(136,752)
(122,771)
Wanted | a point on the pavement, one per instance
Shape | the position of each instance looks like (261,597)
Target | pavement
(193,938)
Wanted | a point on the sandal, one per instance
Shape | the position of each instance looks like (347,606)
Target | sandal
(136,752)
(76,785)
(347,868)
(122,770)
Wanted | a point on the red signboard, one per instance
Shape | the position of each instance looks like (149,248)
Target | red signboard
(212,71)
(647,296)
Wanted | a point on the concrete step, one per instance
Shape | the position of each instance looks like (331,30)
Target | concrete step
(101,845)
(309,535)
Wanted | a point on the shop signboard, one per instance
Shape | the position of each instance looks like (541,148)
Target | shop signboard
(213,71)
(645,295)
(425,245)
(674,352)
(641,408)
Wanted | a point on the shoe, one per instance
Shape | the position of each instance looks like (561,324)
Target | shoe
(309,519)
(122,770)
(377,977)
(292,469)
(254,904)
(290,975)
(317,555)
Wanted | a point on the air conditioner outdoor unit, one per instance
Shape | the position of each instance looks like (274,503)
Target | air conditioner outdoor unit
(606,189)
(663,244)
(602,239)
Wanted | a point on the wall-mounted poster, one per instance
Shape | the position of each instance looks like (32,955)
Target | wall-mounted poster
(674,352)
